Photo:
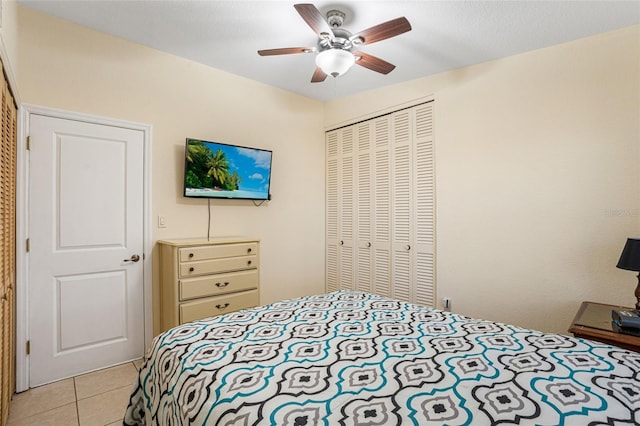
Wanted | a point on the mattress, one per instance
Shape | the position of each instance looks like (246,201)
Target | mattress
(352,358)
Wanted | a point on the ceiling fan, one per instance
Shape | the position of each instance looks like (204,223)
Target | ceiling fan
(337,47)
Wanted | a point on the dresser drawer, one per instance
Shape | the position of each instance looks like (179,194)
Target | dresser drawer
(214,266)
(191,288)
(212,306)
(200,278)
(217,251)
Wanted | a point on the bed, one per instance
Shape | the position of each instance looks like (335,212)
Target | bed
(352,358)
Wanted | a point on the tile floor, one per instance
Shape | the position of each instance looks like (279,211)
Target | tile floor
(99,398)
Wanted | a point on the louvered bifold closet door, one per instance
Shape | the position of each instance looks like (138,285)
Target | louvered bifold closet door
(340,210)
(8,247)
(424,211)
(363,197)
(332,264)
(346,208)
(382,206)
(401,207)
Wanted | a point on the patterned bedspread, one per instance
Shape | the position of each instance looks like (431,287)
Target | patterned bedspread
(350,358)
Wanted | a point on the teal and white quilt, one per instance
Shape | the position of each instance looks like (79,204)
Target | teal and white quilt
(351,358)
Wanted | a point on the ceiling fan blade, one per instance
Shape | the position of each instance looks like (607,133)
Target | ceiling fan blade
(383,31)
(314,19)
(286,51)
(318,76)
(373,63)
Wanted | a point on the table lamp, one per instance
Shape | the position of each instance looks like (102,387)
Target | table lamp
(630,260)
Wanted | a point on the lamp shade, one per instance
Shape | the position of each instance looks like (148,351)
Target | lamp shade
(335,62)
(630,257)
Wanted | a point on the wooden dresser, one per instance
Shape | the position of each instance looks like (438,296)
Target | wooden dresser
(204,278)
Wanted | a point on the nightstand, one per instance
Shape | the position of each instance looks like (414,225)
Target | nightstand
(593,321)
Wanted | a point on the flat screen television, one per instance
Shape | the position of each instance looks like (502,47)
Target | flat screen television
(218,170)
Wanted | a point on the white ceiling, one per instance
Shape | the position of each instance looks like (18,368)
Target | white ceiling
(445,35)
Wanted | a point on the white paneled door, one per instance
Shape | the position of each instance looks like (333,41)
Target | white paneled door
(86,308)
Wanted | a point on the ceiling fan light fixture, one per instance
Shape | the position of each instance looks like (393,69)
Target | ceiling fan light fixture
(335,62)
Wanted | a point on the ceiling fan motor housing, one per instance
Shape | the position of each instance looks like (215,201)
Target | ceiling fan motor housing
(335,18)
(341,40)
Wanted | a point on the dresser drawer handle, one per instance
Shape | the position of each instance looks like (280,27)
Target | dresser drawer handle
(190,255)
(191,269)
(248,262)
(249,250)
(221,285)
(223,306)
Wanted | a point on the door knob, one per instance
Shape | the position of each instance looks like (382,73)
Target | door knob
(134,258)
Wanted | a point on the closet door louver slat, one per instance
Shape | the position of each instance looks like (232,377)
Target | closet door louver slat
(382,270)
(332,199)
(424,292)
(363,192)
(332,268)
(401,195)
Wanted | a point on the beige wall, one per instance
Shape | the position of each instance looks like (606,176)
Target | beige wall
(66,66)
(537,154)
(9,42)
(537,177)
(9,29)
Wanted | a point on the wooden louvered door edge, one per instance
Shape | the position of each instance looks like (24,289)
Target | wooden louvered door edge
(8,136)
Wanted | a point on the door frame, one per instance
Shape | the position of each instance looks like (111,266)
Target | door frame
(22,226)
